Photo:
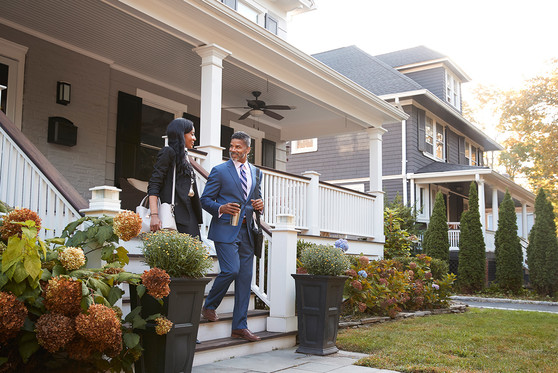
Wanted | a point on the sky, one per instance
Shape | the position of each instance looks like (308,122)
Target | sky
(497,43)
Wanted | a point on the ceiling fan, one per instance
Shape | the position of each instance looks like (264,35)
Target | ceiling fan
(258,108)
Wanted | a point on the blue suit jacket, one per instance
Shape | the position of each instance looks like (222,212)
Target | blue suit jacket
(223,186)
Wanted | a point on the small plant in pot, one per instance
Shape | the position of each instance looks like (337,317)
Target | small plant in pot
(319,295)
(186,261)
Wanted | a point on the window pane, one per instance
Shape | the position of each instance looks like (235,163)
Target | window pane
(3,82)
(154,124)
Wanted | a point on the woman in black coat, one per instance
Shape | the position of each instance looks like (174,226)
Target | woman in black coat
(187,210)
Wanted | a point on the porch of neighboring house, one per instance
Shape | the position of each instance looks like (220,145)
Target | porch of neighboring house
(492,187)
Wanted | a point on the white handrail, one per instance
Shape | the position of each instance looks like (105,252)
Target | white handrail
(23,185)
(262,271)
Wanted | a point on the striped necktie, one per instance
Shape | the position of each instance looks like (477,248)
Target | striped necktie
(244,181)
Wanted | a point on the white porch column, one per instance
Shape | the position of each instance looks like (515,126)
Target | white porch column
(524,228)
(375,137)
(313,203)
(495,215)
(482,205)
(210,103)
(282,292)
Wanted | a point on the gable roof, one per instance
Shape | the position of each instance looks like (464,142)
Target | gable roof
(420,56)
(368,71)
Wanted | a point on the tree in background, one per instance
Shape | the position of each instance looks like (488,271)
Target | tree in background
(542,252)
(509,256)
(472,257)
(436,242)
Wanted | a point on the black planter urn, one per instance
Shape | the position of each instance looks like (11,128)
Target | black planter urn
(318,306)
(173,352)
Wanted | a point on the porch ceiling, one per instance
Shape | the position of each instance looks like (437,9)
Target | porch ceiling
(154,39)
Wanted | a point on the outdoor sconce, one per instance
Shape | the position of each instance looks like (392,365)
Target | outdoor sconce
(63,93)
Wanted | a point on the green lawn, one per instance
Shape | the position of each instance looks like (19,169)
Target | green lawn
(479,340)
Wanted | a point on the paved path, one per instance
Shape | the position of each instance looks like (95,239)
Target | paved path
(288,360)
(508,304)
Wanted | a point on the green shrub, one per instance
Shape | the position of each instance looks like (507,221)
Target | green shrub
(509,255)
(436,242)
(179,254)
(472,257)
(324,260)
(398,241)
(386,287)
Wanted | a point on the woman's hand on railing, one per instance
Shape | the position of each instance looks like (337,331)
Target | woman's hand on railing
(155,223)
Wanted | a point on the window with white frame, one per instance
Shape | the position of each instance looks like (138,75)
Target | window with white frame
(435,139)
(453,90)
(248,11)
(304,146)
(474,160)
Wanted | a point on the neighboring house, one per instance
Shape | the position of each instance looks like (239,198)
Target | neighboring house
(434,150)
(92,84)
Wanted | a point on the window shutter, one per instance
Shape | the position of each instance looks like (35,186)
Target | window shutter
(268,153)
(226,133)
(481,158)
(447,140)
(196,121)
(270,23)
(462,150)
(128,134)
(421,118)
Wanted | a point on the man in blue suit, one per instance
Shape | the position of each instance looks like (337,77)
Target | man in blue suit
(230,189)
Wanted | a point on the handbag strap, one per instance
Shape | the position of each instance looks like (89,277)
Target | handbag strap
(173,184)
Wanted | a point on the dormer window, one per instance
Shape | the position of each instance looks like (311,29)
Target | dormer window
(453,90)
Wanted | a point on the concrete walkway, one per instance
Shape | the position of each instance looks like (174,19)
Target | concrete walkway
(288,360)
(508,304)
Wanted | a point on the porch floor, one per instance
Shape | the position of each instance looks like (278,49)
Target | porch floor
(287,360)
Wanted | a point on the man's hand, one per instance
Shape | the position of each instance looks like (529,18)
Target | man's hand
(231,208)
(257,204)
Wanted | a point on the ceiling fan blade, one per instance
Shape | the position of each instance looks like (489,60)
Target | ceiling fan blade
(245,115)
(280,107)
(236,107)
(272,114)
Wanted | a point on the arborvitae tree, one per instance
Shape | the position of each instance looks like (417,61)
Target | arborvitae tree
(436,242)
(542,252)
(472,257)
(509,255)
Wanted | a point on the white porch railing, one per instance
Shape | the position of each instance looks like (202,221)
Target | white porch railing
(24,185)
(453,237)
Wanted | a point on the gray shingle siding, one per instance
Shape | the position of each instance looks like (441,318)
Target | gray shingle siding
(338,157)
(391,188)
(415,158)
(452,139)
(391,149)
(431,79)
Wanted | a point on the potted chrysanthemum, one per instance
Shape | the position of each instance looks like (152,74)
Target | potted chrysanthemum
(186,261)
(319,294)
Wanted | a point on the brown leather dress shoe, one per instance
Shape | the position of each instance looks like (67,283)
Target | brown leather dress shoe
(209,314)
(245,334)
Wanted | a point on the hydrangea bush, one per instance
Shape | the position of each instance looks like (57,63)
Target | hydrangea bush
(386,287)
(57,315)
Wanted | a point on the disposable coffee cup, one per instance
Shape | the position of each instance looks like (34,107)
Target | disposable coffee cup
(236,217)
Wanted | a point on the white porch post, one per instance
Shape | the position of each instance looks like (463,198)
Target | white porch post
(482,205)
(524,228)
(282,292)
(210,106)
(495,215)
(313,203)
(375,137)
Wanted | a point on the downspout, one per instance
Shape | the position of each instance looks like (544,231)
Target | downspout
(403,152)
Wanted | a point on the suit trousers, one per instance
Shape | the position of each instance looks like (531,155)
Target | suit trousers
(236,263)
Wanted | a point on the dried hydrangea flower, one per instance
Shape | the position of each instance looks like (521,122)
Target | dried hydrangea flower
(157,282)
(127,225)
(163,326)
(10,228)
(102,328)
(63,295)
(79,348)
(12,316)
(72,258)
(54,331)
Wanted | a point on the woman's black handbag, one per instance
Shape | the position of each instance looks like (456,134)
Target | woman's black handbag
(257,232)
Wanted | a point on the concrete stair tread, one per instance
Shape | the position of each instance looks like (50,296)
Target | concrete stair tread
(228,342)
(226,316)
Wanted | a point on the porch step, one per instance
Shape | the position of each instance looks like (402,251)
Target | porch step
(227,348)
(209,331)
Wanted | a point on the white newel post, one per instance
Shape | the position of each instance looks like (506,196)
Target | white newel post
(210,103)
(282,291)
(524,228)
(482,205)
(105,200)
(375,137)
(495,212)
(313,203)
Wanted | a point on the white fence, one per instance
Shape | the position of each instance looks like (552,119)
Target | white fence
(23,185)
